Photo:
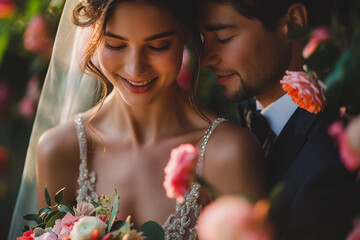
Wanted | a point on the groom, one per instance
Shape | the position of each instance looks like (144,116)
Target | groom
(246,48)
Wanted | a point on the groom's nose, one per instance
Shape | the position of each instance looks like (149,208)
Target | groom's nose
(210,56)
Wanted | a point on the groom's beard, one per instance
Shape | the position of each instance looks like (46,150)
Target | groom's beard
(243,92)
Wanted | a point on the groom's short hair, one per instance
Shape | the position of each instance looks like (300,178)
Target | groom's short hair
(268,12)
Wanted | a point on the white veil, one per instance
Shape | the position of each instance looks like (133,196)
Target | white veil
(66,91)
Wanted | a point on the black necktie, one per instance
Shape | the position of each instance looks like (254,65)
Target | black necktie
(258,124)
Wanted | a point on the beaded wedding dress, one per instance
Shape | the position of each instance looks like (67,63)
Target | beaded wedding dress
(181,225)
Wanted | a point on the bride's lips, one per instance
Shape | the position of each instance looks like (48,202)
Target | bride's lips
(138,86)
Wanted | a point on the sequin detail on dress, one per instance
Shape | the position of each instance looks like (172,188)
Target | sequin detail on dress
(182,224)
(86,180)
(179,226)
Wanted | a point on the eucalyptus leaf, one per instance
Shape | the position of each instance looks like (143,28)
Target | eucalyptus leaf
(114,211)
(152,231)
(65,208)
(59,196)
(52,220)
(47,197)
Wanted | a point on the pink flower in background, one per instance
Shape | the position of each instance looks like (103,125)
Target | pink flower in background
(319,35)
(28,235)
(233,217)
(180,171)
(307,93)
(37,36)
(7,9)
(63,227)
(28,104)
(84,209)
(355,234)
(348,156)
(353,135)
(185,75)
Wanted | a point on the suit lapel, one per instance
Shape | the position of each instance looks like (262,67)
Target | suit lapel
(289,143)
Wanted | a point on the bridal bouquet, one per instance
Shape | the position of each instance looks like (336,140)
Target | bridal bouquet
(86,221)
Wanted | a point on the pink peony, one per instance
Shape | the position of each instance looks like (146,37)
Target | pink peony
(37,36)
(318,35)
(28,235)
(232,218)
(180,171)
(63,227)
(307,93)
(348,155)
(355,234)
(47,236)
(84,209)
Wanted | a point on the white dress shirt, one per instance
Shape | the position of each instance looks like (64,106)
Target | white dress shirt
(278,113)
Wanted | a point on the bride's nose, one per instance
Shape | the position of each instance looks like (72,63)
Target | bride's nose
(136,63)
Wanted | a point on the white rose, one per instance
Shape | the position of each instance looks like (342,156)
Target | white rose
(83,228)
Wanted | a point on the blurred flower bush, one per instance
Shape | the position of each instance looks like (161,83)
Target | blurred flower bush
(27,31)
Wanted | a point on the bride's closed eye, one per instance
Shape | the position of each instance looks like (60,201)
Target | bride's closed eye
(114,47)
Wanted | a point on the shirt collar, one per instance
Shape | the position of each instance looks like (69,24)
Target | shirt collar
(278,113)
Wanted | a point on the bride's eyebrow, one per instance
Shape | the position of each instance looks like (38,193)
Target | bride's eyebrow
(151,38)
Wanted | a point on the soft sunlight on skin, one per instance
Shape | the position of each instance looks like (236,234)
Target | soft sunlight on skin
(236,48)
(142,55)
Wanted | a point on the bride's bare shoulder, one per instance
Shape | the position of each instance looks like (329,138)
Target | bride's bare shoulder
(59,143)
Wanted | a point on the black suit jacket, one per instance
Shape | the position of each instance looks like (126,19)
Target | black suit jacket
(320,198)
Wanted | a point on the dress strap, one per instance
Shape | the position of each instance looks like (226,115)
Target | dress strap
(204,142)
(86,180)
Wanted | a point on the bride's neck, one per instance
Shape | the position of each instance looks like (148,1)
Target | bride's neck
(146,123)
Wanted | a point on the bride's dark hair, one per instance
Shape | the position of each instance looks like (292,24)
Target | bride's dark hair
(95,13)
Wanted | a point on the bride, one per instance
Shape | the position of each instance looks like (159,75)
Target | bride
(135,50)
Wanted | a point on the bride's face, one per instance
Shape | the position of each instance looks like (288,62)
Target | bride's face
(142,52)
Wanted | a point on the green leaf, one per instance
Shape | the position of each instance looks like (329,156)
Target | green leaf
(31,217)
(52,220)
(65,208)
(59,196)
(49,216)
(43,211)
(47,197)
(152,231)
(114,211)
(275,191)
(4,38)
(118,225)
(41,225)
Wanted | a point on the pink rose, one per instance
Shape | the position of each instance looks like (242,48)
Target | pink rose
(355,234)
(47,236)
(347,154)
(307,93)
(63,227)
(318,35)
(232,217)
(180,171)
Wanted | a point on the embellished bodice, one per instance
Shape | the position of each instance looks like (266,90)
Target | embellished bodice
(182,223)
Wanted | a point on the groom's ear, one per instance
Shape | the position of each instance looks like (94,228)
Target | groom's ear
(295,17)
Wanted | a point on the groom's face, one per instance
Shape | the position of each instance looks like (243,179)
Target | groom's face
(247,59)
